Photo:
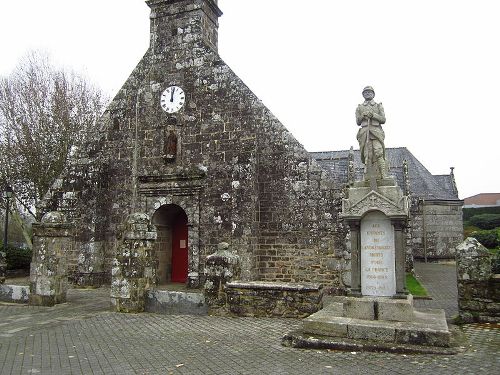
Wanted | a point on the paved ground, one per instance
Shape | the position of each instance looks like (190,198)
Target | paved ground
(82,337)
(440,280)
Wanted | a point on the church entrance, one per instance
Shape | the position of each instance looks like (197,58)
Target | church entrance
(171,246)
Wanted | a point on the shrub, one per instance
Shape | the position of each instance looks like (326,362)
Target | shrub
(17,258)
(487,238)
(495,262)
(473,211)
(485,221)
(469,229)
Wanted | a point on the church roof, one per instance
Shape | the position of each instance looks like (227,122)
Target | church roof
(422,183)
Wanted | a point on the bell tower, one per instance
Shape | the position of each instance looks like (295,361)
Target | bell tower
(177,23)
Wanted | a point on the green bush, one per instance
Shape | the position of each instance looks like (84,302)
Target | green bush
(473,211)
(17,258)
(495,262)
(485,221)
(488,238)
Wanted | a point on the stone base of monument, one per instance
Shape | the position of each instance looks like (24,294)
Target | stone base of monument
(374,324)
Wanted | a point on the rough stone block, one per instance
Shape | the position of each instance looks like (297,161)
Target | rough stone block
(359,308)
(427,337)
(370,332)
(399,310)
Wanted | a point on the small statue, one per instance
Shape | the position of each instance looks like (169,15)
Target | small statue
(170,146)
(370,116)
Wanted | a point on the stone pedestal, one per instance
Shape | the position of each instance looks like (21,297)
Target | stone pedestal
(377,219)
(374,324)
(134,266)
(52,241)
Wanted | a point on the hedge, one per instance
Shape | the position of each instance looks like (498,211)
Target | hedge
(488,238)
(469,212)
(485,221)
(17,258)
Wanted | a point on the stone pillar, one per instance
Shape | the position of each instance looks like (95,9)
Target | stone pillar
(478,286)
(52,241)
(134,265)
(354,227)
(221,267)
(400,257)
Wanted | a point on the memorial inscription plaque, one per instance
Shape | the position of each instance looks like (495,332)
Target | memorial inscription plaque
(378,276)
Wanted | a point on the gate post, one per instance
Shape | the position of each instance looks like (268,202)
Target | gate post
(52,240)
(134,266)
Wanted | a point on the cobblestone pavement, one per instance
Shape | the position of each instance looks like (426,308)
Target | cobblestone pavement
(83,337)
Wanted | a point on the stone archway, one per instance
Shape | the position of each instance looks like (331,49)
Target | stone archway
(171,246)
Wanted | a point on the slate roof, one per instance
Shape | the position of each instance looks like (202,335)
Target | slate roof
(422,183)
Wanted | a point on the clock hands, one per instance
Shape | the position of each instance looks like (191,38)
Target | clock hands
(172,95)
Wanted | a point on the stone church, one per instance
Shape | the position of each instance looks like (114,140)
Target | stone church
(190,150)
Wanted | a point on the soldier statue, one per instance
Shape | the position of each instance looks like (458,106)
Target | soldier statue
(370,116)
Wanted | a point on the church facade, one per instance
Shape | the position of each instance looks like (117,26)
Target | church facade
(187,144)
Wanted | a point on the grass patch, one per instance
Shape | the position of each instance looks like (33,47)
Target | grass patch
(414,287)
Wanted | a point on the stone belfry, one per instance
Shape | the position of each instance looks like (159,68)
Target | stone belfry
(175,22)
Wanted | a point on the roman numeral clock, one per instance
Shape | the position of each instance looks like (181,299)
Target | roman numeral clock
(172,99)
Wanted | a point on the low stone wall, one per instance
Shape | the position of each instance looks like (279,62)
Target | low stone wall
(478,286)
(14,293)
(175,302)
(273,299)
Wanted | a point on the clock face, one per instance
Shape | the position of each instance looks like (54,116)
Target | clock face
(172,99)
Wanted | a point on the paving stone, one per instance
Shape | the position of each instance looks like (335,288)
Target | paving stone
(83,337)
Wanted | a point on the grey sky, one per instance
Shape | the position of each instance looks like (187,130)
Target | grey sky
(433,64)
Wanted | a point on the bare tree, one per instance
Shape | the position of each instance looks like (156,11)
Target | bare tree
(44,112)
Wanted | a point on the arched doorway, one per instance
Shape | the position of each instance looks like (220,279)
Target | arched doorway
(171,246)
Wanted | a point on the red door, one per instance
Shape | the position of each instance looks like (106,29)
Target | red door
(180,251)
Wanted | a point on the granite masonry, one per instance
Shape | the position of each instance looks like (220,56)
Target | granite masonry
(187,145)
(232,172)
(478,284)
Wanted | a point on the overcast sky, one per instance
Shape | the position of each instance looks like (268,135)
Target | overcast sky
(434,65)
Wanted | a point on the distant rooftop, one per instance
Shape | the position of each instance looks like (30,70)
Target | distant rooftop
(422,183)
(483,200)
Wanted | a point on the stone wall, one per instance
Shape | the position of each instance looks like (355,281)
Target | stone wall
(14,293)
(436,228)
(273,299)
(478,286)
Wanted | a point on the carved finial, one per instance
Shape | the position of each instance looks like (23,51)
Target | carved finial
(453,181)
(406,177)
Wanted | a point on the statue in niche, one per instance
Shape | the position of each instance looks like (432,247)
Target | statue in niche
(170,146)
(370,116)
